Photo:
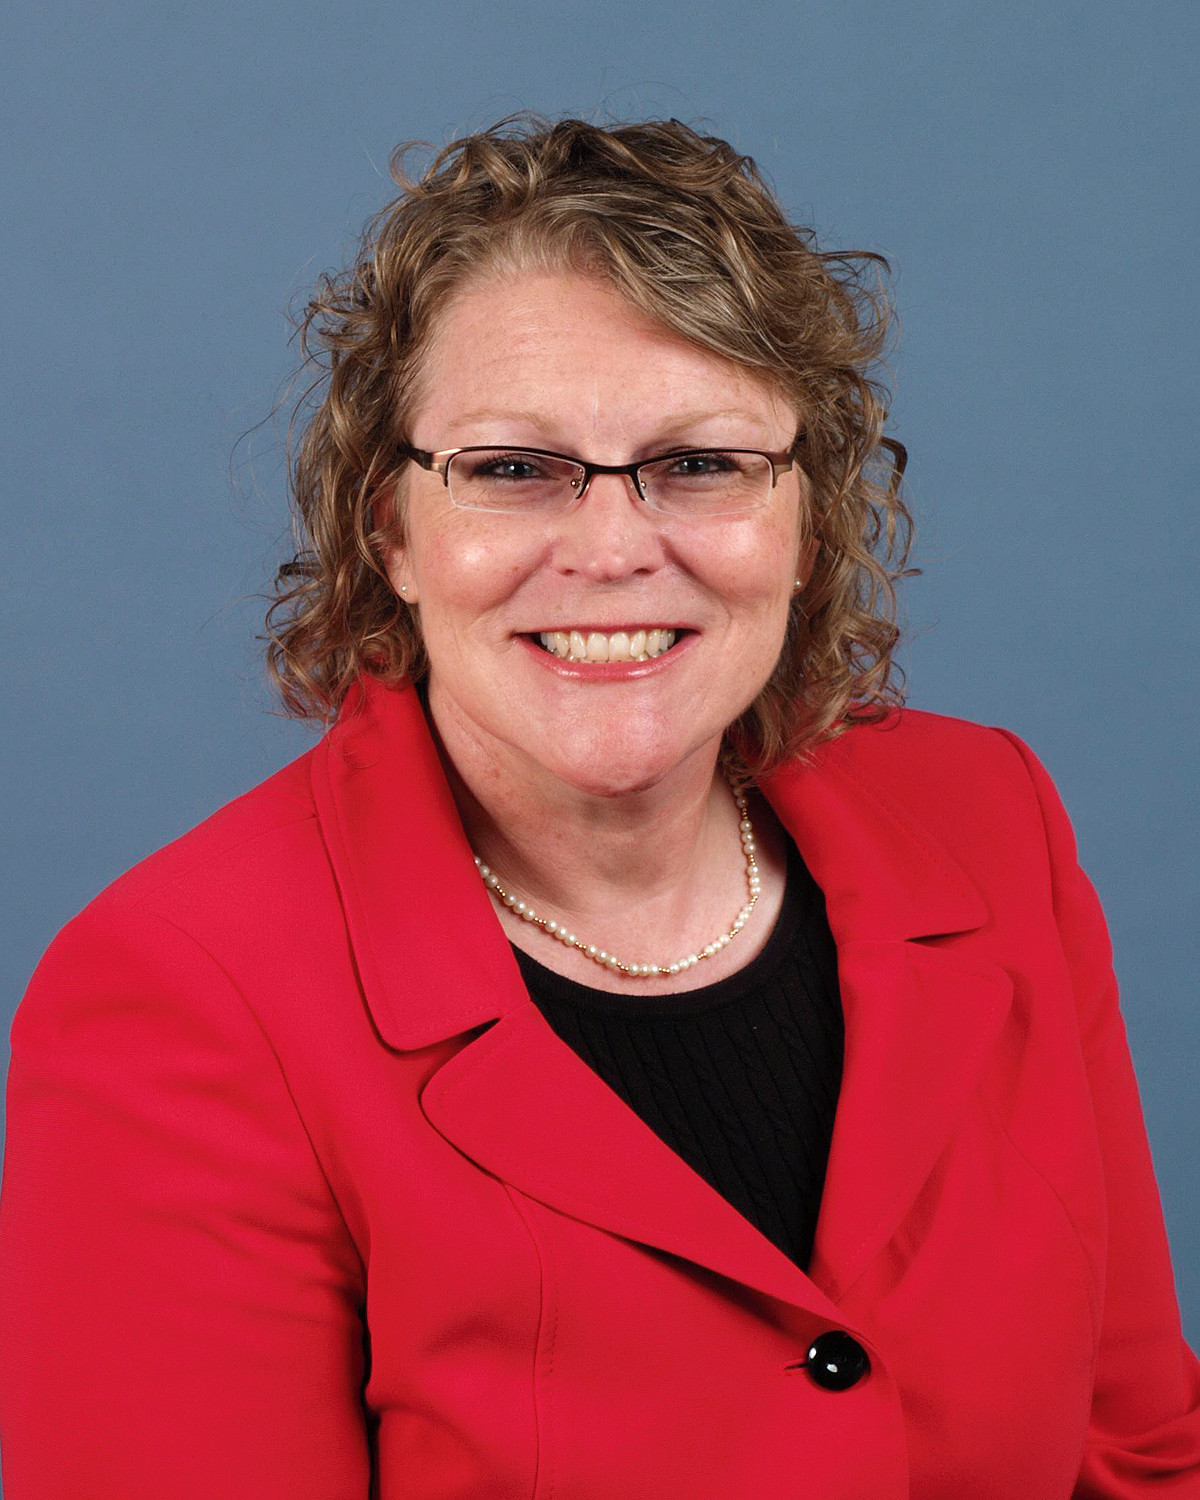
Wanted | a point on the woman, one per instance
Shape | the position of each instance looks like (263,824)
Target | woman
(451,1115)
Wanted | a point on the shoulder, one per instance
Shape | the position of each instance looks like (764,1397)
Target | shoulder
(253,862)
(915,744)
(979,790)
(924,758)
(232,845)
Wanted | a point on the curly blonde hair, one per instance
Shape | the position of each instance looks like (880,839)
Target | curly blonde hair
(685,228)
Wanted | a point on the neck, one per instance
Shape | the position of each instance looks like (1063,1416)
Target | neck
(648,868)
(583,851)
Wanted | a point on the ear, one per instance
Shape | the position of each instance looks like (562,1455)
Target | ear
(806,561)
(399,570)
(809,548)
(393,553)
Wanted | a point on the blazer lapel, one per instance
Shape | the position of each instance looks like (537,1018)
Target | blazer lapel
(434,963)
(919,1024)
(520,1103)
(920,1016)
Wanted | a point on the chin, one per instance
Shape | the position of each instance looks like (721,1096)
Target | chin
(618,769)
(611,784)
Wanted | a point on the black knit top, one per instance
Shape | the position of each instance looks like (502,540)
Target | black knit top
(741,1077)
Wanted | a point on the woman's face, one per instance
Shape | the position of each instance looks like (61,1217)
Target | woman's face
(562,362)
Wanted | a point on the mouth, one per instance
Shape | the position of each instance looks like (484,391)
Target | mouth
(638,643)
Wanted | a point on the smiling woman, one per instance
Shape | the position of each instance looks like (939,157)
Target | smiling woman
(681,232)
(630,1055)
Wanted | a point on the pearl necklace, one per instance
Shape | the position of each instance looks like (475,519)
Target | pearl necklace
(558,930)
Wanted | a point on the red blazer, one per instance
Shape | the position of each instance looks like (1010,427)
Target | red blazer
(301,1189)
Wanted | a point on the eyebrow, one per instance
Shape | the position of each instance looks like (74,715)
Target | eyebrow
(543,421)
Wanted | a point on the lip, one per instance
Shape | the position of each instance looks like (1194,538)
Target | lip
(611,671)
(624,625)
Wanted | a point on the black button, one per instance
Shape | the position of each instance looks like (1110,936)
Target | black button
(836,1361)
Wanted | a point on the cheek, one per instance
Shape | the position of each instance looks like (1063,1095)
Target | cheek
(459,561)
(471,572)
(752,568)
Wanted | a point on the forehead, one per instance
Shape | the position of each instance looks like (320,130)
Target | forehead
(563,350)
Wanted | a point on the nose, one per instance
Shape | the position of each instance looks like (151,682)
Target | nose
(610,533)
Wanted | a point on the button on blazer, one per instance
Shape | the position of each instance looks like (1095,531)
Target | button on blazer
(304,1199)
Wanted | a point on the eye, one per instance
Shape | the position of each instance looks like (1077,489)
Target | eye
(707,481)
(701,465)
(512,467)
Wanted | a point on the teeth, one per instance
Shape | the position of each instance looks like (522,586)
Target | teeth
(641,645)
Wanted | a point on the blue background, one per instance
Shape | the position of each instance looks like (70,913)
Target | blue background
(175,174)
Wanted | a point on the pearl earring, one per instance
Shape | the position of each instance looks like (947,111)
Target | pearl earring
(404,589)
(796,587)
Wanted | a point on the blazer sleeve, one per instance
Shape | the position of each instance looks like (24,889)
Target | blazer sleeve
(1144,1434)
(180,1299)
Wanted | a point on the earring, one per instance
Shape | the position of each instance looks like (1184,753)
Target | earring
(796,587)
(404,590)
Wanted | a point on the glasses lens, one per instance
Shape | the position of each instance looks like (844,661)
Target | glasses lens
(511,479)
(712,482)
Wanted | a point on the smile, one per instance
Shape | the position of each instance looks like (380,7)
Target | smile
(594,645)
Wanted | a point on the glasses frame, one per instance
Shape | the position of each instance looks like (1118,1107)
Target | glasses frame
(439,463)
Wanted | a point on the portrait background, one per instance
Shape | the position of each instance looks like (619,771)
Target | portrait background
(175,175)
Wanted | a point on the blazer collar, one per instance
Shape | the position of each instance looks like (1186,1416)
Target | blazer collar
(403,866)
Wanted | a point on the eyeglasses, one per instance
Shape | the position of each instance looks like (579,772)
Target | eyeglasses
(688,482)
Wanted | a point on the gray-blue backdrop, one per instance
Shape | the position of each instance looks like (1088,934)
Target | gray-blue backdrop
(174,174)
